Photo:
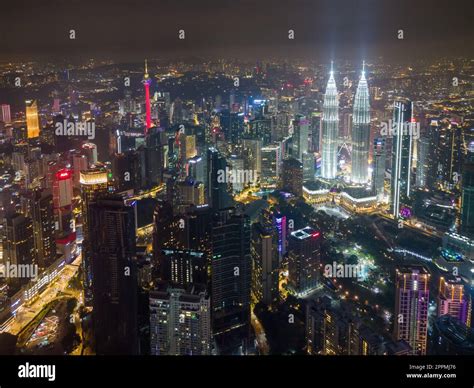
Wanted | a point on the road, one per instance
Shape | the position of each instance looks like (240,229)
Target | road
(26,313)
(260,335)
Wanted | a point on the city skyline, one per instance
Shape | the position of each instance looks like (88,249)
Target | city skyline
(291,180)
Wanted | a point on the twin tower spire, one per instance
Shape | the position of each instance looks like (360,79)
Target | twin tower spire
(360,130)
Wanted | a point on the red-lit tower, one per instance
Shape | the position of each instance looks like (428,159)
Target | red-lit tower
(146,82)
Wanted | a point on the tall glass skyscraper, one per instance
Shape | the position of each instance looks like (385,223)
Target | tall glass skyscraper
(361,133)
(330,129)
(467,200)
(402,149)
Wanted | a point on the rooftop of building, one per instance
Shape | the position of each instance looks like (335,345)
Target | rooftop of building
(305,233)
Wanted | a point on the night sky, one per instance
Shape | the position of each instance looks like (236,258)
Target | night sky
(339,28)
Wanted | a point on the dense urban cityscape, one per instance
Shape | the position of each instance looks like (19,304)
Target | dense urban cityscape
(201,190)
(217,207)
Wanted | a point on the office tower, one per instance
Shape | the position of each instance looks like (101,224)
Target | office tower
(448,148)
(180,321)
(271,161)
(197,230)
(292,176)
(236,126)
(361,133)
(126,170)
(265,264)
(300,137)
(446,151)
(331,328)
(252,151)
(240,177)
(304,257)
(183,267)
(402,148)
(272,219)
(261,129)
(18,161)
(18,245)
(114,283)
(330,129)
(177,111)
(191,192)
(231,281)
(411,306)
(94,184)
(218,197)
(467,199)
(188,143)
(79,163)
(90,151)
(32,119)
(196,169)
(146,83)
(153,158)
(422,164)
(5,114)
(43,228)
(309,167)
(454,300)
(378,172)
(316,138)
(281,129)
(62,198)
(168,229)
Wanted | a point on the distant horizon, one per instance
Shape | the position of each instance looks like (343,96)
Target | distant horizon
(337,28)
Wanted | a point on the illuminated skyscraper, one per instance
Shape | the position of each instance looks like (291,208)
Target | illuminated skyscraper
(330,129)
(402,149)
(309,167)
(411,307)
(94,183)
(264,250)
(62,198)
(300,136)
(90,151)
(146,83)
(32,119)
(454,300)
(271,160)
(361,133)
(467,201)
(218,197)
(292,176)
(304,257)
(113,257)
(231,281)
(18,247)
(43,228)
(378,173)
(422,166)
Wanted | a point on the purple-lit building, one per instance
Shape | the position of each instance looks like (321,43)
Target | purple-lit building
(411,306)
(454,300)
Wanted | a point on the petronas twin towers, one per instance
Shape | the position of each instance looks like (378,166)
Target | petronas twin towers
(330,129)
(360,131)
